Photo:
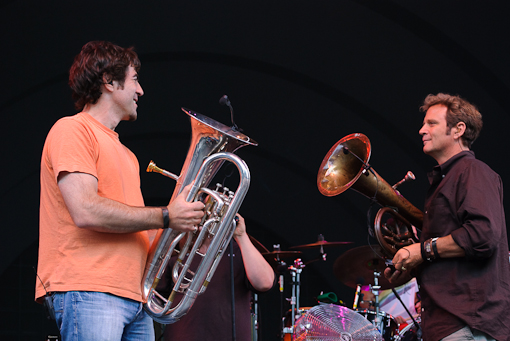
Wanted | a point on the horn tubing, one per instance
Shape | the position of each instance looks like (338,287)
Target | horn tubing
(208,138)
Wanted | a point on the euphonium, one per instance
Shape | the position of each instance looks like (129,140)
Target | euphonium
(346,166)
(211,144)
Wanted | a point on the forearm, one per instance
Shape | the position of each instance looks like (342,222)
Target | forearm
(106,215)
(447,248)
(92,211)
(259,272)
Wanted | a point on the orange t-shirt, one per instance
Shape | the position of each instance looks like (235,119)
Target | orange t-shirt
(72,258)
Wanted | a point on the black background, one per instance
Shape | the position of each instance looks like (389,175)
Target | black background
(300,76)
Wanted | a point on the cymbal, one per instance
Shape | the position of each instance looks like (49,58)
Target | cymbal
(319,243)
(280,254)
(357,266)
(258,245)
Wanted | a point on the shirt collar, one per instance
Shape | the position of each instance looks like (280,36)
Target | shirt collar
(439,171)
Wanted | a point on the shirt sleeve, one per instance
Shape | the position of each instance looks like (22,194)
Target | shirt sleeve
(72,148)
(479,197)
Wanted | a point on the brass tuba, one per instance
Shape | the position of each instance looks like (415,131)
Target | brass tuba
(346,166)
(211,144)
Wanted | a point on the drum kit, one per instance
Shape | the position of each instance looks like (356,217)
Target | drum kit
(346,166)
(328,321)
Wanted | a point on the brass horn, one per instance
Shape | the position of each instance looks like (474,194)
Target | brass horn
(211,144)
(346,166)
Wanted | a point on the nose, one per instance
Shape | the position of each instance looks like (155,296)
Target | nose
(422,130)
(139,90)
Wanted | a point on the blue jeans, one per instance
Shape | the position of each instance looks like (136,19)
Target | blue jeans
(97,316)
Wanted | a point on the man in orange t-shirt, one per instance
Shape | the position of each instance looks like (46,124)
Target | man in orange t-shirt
(93,223)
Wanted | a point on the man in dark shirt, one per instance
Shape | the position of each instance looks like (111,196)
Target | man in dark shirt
(461,261)
(210,318)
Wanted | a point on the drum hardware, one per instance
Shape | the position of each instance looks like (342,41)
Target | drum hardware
(295,271)
(387,325)
(411,332)
(321,243)
(363,266)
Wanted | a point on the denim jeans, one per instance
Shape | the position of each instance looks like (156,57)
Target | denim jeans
(97,316)
(467,333)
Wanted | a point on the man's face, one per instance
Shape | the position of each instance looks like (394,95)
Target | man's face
(126,97)
(438,140)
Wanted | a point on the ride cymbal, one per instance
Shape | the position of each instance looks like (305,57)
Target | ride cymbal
(280,254)
(320,243)
(357,266)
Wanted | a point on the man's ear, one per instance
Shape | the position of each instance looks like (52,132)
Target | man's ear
(108,82)
(460,129)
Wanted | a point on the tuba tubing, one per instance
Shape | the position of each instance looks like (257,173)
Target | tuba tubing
(211,145)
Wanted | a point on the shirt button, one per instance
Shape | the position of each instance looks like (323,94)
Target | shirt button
(442,176)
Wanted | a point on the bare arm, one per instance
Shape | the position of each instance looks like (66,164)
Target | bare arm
(91,211)
(259,272)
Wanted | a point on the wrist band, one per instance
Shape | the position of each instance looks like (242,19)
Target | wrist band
(434,248)
(428,250)
(423,253)
(166,217)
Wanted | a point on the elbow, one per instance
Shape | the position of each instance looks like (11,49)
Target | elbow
(266,284)
(84,220)
(483,251)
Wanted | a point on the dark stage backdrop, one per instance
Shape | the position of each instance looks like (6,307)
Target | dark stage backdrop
(300,76)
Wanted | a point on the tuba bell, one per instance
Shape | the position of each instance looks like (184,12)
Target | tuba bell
(211,144)
(346,166)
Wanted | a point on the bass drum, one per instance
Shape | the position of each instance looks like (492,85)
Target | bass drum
(387,325)
(411,332)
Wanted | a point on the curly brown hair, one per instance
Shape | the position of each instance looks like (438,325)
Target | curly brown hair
(458,110)
(96,60)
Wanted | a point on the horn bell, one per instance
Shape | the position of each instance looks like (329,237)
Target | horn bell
(340,169)
(345,166)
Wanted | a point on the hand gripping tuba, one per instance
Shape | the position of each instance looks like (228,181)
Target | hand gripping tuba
(346,166)
(212,143)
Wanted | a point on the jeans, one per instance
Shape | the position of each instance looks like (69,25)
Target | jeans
(97,316)
(467,334)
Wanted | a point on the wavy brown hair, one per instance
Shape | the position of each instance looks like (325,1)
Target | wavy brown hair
(99,61)
(458,110)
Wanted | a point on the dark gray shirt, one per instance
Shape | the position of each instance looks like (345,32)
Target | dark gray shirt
(465,199)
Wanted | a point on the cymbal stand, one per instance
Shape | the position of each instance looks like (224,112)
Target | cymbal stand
(295,271)
(375,290)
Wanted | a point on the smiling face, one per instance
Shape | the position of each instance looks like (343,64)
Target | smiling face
(126,96)
(439,141)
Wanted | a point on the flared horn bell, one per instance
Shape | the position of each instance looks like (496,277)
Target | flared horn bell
(345,166)
(340,169)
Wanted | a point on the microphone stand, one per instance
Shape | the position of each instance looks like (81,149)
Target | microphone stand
(407,310)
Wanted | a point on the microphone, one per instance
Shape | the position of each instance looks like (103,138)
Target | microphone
(225,101)
(366,166)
